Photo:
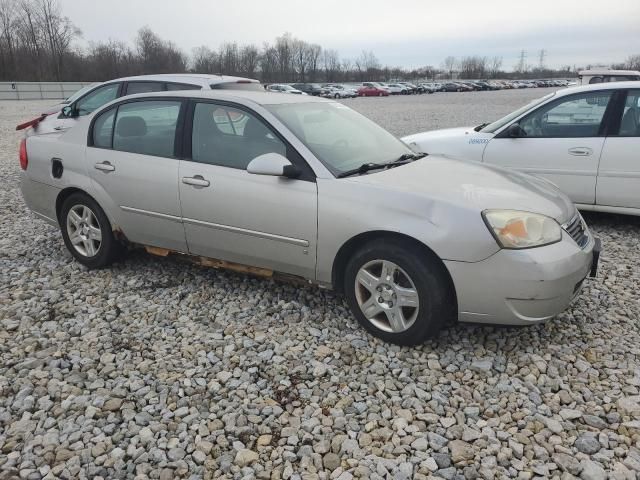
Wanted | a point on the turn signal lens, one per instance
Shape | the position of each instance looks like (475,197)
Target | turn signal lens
(517,229)
(24,160)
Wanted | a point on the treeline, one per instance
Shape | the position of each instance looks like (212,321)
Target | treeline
(36,44)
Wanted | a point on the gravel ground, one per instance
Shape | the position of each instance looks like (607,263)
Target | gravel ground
(159,369)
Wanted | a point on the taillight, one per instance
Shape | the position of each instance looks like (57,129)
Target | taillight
(24,160)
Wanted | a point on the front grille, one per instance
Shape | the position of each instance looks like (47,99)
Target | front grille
(577,230)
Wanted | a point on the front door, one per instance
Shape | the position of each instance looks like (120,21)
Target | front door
(132,164)
(619,173)
(230,214)
(562,142)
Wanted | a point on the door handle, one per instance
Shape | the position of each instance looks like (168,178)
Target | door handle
(104,166)
(580,151)
(196,181)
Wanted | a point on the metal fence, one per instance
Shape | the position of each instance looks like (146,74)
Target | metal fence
(39,90)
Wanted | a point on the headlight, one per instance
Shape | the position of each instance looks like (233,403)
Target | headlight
(516,229)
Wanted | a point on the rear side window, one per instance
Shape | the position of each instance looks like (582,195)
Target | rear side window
(182,86)
(147,127)
(144,87)
(103,129)
(97,98)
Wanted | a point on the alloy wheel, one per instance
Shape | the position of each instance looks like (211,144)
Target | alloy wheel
(84,230)
(387,296)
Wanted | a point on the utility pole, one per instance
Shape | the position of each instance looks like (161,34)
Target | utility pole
(522,63)
(541,55)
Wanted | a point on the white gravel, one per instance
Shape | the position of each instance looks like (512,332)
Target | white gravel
(159,369)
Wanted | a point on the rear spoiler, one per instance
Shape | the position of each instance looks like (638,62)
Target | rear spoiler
(32,123)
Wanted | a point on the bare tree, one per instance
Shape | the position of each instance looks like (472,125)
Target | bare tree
(249,57)
(204,60)
(633,62)
(495,66)
(449,64)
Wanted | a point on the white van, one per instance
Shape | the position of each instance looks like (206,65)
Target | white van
(603,75)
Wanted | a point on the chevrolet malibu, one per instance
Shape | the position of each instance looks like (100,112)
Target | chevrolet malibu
(287,184)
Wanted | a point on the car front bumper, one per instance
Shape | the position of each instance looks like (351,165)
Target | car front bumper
(520,287)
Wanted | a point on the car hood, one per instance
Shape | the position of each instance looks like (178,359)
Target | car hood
(459,132)
(472,185)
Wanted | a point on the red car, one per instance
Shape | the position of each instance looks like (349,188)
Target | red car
(370,90)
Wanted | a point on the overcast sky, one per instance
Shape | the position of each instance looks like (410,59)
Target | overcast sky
(408,33)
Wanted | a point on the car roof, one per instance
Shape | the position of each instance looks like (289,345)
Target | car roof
(599,86)
(195,78)
(260,98)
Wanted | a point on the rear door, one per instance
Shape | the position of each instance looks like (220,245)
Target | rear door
(619,172)
(133,166)
(563,142)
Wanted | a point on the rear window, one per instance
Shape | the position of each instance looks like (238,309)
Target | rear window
(252,87)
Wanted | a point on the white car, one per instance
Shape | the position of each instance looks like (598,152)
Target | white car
(604,75)
(67,113)
(397,89)
(278,88)
(338,91)
(586,140)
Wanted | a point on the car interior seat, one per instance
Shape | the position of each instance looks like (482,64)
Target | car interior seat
(630,125)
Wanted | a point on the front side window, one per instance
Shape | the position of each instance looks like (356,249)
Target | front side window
(144,87)
(630,123)
(99,97)
(498,124)
(147,127)
(230,137)
(574,116)
(338,136)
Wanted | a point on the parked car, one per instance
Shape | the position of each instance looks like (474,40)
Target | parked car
(397,89)
(368,89)
(309,88)
(604,75)
(452,87)
(338,91)
(429,87)
(301,185)
(583,139)
(411,87)
(281,88)
(66,114)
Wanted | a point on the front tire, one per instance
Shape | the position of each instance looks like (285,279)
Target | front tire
(398,292)
(87,232)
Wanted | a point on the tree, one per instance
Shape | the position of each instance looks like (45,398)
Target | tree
(633,62)
(449,64)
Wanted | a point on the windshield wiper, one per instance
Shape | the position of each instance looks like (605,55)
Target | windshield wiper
(480,127)
(366,167)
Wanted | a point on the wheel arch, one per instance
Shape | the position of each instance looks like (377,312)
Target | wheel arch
(353,244)
(68,191)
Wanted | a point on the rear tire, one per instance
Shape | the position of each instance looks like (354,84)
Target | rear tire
(418,285)
(87,232)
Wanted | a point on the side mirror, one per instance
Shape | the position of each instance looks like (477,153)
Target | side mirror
(273,164)
(68,111)
(515,131)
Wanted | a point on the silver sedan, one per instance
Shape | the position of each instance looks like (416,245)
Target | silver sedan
(274,184)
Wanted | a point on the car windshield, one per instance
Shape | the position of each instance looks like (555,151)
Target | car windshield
(498,124)
(79,93)
(339,137)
